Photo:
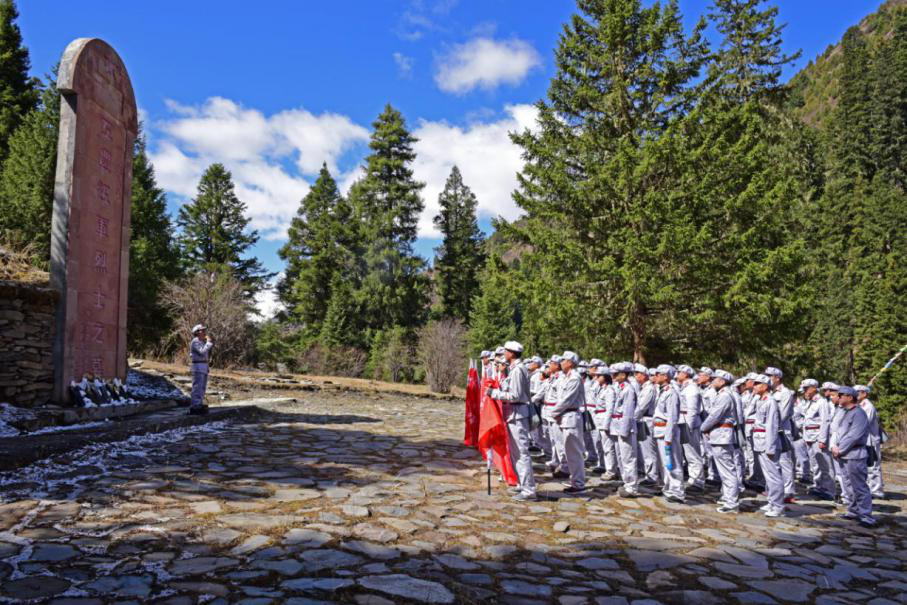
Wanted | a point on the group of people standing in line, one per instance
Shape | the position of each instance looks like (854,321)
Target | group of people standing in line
(686,429)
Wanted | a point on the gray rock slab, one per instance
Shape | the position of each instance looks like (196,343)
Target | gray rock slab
(648,560)
(401,585)
(785,590)
(34,587)
(316,584)
(327,558)
(201,565)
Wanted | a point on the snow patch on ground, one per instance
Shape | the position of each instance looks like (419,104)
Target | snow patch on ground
(8,414)
(68,427)
(68,471)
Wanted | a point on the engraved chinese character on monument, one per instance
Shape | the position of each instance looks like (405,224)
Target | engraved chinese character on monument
(92,199)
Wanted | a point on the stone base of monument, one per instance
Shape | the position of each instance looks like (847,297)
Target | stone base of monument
(48,417)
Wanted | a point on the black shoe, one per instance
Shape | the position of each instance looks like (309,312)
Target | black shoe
(534,451)
(574,490)
(713,482)
(647,482)
(198,410)
(675,499)
(560,475)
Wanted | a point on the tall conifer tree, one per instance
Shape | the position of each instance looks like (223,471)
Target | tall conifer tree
(214,231)
(27,178)
(460,257)
(319,246)
(387,202)
(18,92)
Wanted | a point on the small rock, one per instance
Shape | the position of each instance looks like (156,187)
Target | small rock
(250,544)
(316,584)
(562,527)
(355,511)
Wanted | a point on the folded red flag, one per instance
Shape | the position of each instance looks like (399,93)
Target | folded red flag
(493,434)
(473,396)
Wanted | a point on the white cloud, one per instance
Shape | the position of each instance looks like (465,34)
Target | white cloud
(273,158)
(257,149)
(485,63)
(266,301)
(486,157)
(404,65)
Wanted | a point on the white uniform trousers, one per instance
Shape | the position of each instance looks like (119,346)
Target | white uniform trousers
(518,442)
(673,479)
(692,452)
(774,483)
(726,463)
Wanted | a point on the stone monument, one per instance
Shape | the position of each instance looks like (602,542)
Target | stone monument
(90,227)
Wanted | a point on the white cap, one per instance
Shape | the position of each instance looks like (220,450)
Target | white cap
(686,370)
(770,371)
(829,386)
(666,369)
(499,351)
(198,328)
(570,356)
(512,345)
(861,388)
(705,370)
(485,354)
(762,378)
(640,369)
(726,376)
(808,382)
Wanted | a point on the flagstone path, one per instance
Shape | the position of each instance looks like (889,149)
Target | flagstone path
(350,498)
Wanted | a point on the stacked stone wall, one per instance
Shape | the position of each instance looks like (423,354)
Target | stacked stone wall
(26,343)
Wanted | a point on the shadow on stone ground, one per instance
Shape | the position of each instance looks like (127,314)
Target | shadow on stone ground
(349,499)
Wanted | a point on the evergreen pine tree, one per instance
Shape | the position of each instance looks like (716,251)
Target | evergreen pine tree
(340,325)
(27,179)
(319,246)
(749,60)
(214,231)
(153,256)
(18,92)
(460,257)
(387,203)
(605,232)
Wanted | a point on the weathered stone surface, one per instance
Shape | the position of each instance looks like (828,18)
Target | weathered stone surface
(796,591)
(401,585)
(316,560)
(34,587)
(316,584)
(201,565)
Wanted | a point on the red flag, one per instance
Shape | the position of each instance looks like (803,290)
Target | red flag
(493,434)
(473,397)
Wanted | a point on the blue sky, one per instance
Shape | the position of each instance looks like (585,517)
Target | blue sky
(274,88)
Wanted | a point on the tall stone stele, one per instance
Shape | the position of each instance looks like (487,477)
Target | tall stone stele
(92,199)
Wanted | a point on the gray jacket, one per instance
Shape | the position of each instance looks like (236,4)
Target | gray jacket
(817,413)
(767,426)
(785,398)
(690,405)
(722,418)
(872,416)
(570,400)
(666,416)
(622,421)
(198,354)
(604,404)
(514,393)
(852,432)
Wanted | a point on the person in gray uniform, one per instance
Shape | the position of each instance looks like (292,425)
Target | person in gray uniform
(690,420)
(707,395)
(547,396)
(667,433)
(515,398)
(739,458)
(831,392)
(720,429)
(817,413)
(754,477)
(874,442)
(536,436)
(620,425)
(645,407)
(595,450)
(785,398)
(568,415)
(851,453)
(767,444)
(487,365)
(199,351)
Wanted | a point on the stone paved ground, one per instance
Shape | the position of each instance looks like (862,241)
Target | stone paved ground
(371,499)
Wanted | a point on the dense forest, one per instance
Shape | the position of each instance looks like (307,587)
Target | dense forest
(681,202)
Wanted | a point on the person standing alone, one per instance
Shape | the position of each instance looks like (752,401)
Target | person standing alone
(199,349)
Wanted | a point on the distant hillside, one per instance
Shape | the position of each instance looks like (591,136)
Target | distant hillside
(815,88)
